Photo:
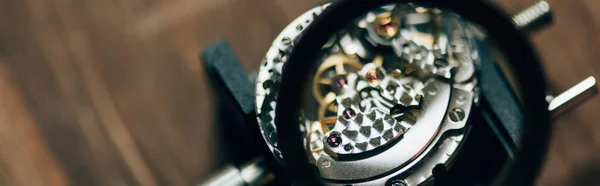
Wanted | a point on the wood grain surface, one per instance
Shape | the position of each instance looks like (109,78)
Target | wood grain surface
(112,92)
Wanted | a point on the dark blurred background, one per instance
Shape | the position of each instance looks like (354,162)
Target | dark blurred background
(112,92)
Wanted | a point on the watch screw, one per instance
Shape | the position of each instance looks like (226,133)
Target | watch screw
(457,115)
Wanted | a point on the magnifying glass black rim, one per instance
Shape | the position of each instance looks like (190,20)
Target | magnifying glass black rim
(499,26)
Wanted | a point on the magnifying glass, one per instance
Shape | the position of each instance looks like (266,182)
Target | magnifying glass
(403,93)
(390,92)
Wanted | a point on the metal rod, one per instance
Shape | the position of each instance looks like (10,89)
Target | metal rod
(253,173)
(573,96)
(228,175)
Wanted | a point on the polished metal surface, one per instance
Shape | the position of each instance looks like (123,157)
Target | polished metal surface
(371,124)
(573,96)
(252,173)
(433,106)
(228,175)
(420,171)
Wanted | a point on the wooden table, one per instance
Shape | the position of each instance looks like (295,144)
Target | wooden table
(111,92)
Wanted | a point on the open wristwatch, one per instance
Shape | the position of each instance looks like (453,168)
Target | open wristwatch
(405,93)
(380,91)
